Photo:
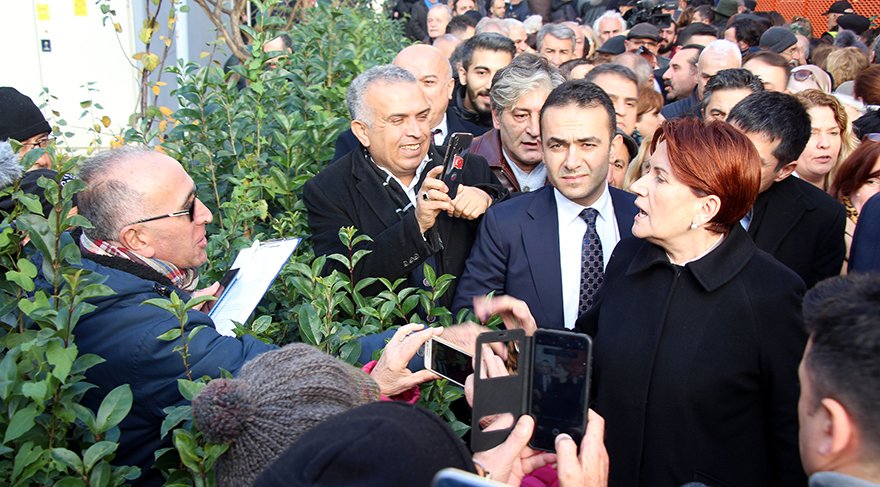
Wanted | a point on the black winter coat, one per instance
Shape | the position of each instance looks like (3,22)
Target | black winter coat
(695,367)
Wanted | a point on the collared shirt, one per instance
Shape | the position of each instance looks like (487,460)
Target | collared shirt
(411,189)
(440,137)
(571,236)
(528,181)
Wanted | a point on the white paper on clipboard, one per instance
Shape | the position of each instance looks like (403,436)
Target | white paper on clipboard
(257,267)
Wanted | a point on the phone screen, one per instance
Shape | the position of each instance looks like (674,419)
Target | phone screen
(560,386)
(450,362)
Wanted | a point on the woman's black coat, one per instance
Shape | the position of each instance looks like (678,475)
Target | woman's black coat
(695,366)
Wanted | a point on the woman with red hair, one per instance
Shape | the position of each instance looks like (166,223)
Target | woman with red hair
(698,381)
(856,180)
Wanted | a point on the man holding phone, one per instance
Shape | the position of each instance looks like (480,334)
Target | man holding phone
(391,190)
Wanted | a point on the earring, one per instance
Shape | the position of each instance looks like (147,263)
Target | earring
(694,226)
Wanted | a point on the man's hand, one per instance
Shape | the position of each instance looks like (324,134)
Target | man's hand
(591,468)
(432,199)
(514,312)
(512,460)
(470,203)
(391,373)
(212,290)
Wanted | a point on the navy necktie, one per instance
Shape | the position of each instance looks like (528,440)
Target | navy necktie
(592,273)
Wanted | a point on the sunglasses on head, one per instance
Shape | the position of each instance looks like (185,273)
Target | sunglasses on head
(873,137)
(191,211)
(803,75)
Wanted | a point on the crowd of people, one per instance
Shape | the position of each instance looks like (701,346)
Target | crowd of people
(690,183)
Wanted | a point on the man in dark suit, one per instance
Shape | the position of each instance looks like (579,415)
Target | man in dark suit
(391,190)
(434,73)
(530,247)
(792,220)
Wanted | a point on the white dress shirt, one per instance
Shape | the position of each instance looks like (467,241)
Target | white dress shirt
(571,237)
(528,181)
(440,137)
(411,189)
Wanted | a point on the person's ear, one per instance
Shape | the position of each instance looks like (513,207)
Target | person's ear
(616,144)
(785,171)
(450,88)
(495,117)
(840,437)
(359,129)
(709,207)
(137,240)
(462,75)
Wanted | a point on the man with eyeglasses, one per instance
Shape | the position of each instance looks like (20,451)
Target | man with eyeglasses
(148,238)
(22,121)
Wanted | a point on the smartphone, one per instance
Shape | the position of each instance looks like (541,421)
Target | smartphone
(453,161)
(448,361)
(453,477)
(560,386)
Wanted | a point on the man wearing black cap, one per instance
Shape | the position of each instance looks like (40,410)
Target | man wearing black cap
(612,47)
(834,12)
(22,121)
(854,22)
(782,41)
(643,35)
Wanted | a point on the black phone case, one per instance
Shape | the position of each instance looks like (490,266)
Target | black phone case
(453,161)
(512,394)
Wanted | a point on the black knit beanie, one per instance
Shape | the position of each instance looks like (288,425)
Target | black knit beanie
(276,397)
(385,444)
(20,119)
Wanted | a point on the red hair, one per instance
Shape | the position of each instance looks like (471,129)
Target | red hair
(855,170)
(717,159)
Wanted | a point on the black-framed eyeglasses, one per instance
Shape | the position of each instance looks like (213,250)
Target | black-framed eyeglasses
(42,143)
(873,137)
(191,211)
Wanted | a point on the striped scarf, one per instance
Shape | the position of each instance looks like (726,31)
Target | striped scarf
(184,279)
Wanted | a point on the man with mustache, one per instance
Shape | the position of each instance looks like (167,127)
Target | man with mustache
(513,147)
(482,56)
(528,246)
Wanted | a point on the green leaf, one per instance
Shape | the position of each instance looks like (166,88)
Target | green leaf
(26,457)
(163,303)
(114,408)
(187,447)
(68,458)
(189,389)
(170,335)
(70,482)
(97,452)
(62,358)
(8,373)
(101,475)
(36,391)
(177,415)
(22,421)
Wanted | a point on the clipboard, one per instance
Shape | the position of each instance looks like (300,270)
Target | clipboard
(257,267)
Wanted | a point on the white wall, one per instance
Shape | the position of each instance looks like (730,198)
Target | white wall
(82,50)
(85,50)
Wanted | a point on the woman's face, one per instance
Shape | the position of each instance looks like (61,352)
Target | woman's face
(649,122)
(667,207)
(820,154)
(870,188)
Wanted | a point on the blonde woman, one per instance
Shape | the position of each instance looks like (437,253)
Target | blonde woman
(831,138)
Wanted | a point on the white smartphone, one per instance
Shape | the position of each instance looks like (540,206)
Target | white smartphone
(448,361)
